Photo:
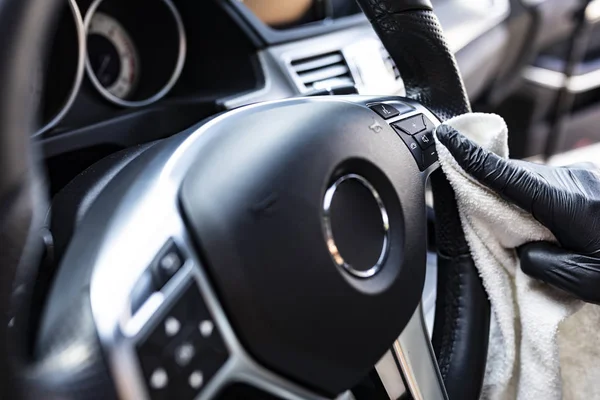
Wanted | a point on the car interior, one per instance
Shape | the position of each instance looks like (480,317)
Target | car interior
(239,199)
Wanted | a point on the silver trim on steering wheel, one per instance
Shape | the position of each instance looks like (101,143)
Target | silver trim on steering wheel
(414,353)
(331,246)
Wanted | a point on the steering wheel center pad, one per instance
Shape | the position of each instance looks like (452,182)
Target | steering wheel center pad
(254,199)
(240,197)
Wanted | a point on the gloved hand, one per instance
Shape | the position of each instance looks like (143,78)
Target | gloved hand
(564,199)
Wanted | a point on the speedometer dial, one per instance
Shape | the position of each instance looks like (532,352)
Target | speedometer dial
(136,49)
(112,55)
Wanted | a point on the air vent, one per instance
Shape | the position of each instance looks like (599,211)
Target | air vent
(323,71)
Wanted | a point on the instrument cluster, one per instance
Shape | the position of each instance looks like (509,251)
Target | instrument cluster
(132,52)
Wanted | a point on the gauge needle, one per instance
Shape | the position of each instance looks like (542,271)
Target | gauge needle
(105,61)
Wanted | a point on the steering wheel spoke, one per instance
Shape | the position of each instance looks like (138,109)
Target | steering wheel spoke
(201,353)
(177,341)
(410,366)
(414,353)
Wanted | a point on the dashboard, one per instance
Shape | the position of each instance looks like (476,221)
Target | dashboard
(127,72)
(127,62)
(132,53)
(130,63)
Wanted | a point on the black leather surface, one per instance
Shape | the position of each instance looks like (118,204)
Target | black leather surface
(382,8)
(416,43)
(47,376)
(66,323)
(72,202)
(53,377)
(23,26)
(16,215)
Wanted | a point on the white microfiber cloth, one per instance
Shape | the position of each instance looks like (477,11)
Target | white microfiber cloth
(544,344)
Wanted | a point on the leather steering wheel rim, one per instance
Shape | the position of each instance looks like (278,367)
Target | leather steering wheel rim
(410,32)
(24,25)
(413,36)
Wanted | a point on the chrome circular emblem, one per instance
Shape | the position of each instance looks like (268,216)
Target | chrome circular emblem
(356,226)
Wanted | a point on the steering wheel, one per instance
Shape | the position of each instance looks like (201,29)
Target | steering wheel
(280,246)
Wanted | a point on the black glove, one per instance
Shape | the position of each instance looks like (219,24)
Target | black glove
(564,199)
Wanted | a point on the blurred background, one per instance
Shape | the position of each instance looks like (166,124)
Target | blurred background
(535,62)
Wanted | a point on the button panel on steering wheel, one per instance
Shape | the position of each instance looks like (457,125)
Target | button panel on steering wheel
(416,132)
(183,350)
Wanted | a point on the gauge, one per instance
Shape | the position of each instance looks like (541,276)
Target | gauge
(112,55)
(136,49)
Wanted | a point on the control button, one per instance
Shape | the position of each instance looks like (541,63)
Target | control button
(206,328)
(195,380)
(414,148)
(158,374)
(430,126)
(429,157)
(170,263)
(142,291)
(183,350)
(169,329)
(172,326)
(166,264)
(159,379)
(208,363)
(412,125)
(184,354)
(385,110)
(403,108)
(183,318)
(425,139)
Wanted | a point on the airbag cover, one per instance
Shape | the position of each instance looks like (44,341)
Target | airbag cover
(254,203)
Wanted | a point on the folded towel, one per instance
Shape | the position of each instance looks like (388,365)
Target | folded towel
(528,345)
